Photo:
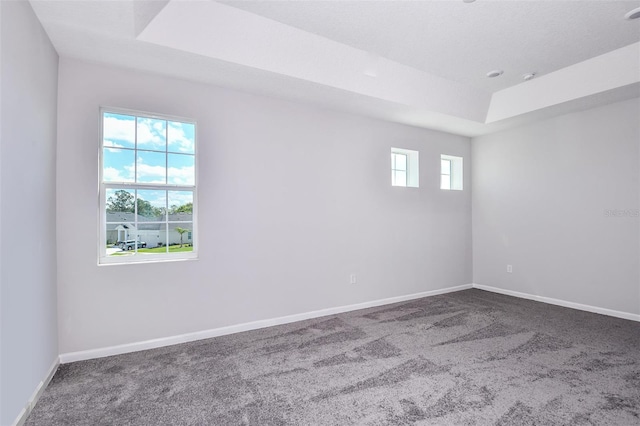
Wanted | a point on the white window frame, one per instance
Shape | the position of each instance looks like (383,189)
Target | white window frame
(413,167)
(103,259)
(455,176)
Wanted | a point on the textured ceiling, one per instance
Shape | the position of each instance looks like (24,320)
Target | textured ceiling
(463,41)
(419,63)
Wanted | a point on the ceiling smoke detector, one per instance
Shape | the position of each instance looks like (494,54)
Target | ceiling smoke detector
(528,76)
(468,1)
(633,14)
(494,73)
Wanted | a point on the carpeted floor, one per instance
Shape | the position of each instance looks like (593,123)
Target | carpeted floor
(465,358)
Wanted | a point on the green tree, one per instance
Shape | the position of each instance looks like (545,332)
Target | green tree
(121,201)
(186,208)
(146,209)
(124,201)
(181,231)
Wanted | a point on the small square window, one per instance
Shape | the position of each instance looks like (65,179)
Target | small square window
(451,172)
(404,167)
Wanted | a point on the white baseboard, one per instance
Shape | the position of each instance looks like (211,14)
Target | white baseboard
(22,417)
(551,301)
(207,334)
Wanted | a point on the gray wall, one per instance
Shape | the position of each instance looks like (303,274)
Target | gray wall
(28,207)
(293,199)
(541,200)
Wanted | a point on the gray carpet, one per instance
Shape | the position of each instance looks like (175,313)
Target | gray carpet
(465,358)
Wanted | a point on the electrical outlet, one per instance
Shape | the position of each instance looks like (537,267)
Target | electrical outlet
(509,268)
(352,278)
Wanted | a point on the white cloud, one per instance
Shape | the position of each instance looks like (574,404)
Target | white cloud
(117,129)
(111,174)
(181,176)
(178,140)
(150,174)
(151,132)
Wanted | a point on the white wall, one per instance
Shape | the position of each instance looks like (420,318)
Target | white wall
(541,193)
(28,207)
(292,200)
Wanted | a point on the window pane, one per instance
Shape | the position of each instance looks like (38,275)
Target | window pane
(445,167)
(399,178)
(180,237)
(445,182)
(400,162)
(154,237)
(120,218)
(152,134)
(180,206)
(114,236)
(181,169)
(181,137)
(120,205)
(151,204)
(117,165)
(119,131)
(121,239)
(151,167)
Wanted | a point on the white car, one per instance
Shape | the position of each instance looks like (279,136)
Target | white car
(131,244)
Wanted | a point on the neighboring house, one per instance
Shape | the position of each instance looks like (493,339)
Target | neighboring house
(151,230)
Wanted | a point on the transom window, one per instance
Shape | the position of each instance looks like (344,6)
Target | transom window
(404,167)
(451,172)
(147,187)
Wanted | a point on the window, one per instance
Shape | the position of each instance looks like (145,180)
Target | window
(404,167)
(450,172)
(147,188)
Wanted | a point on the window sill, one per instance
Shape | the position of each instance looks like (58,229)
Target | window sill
(109,261)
